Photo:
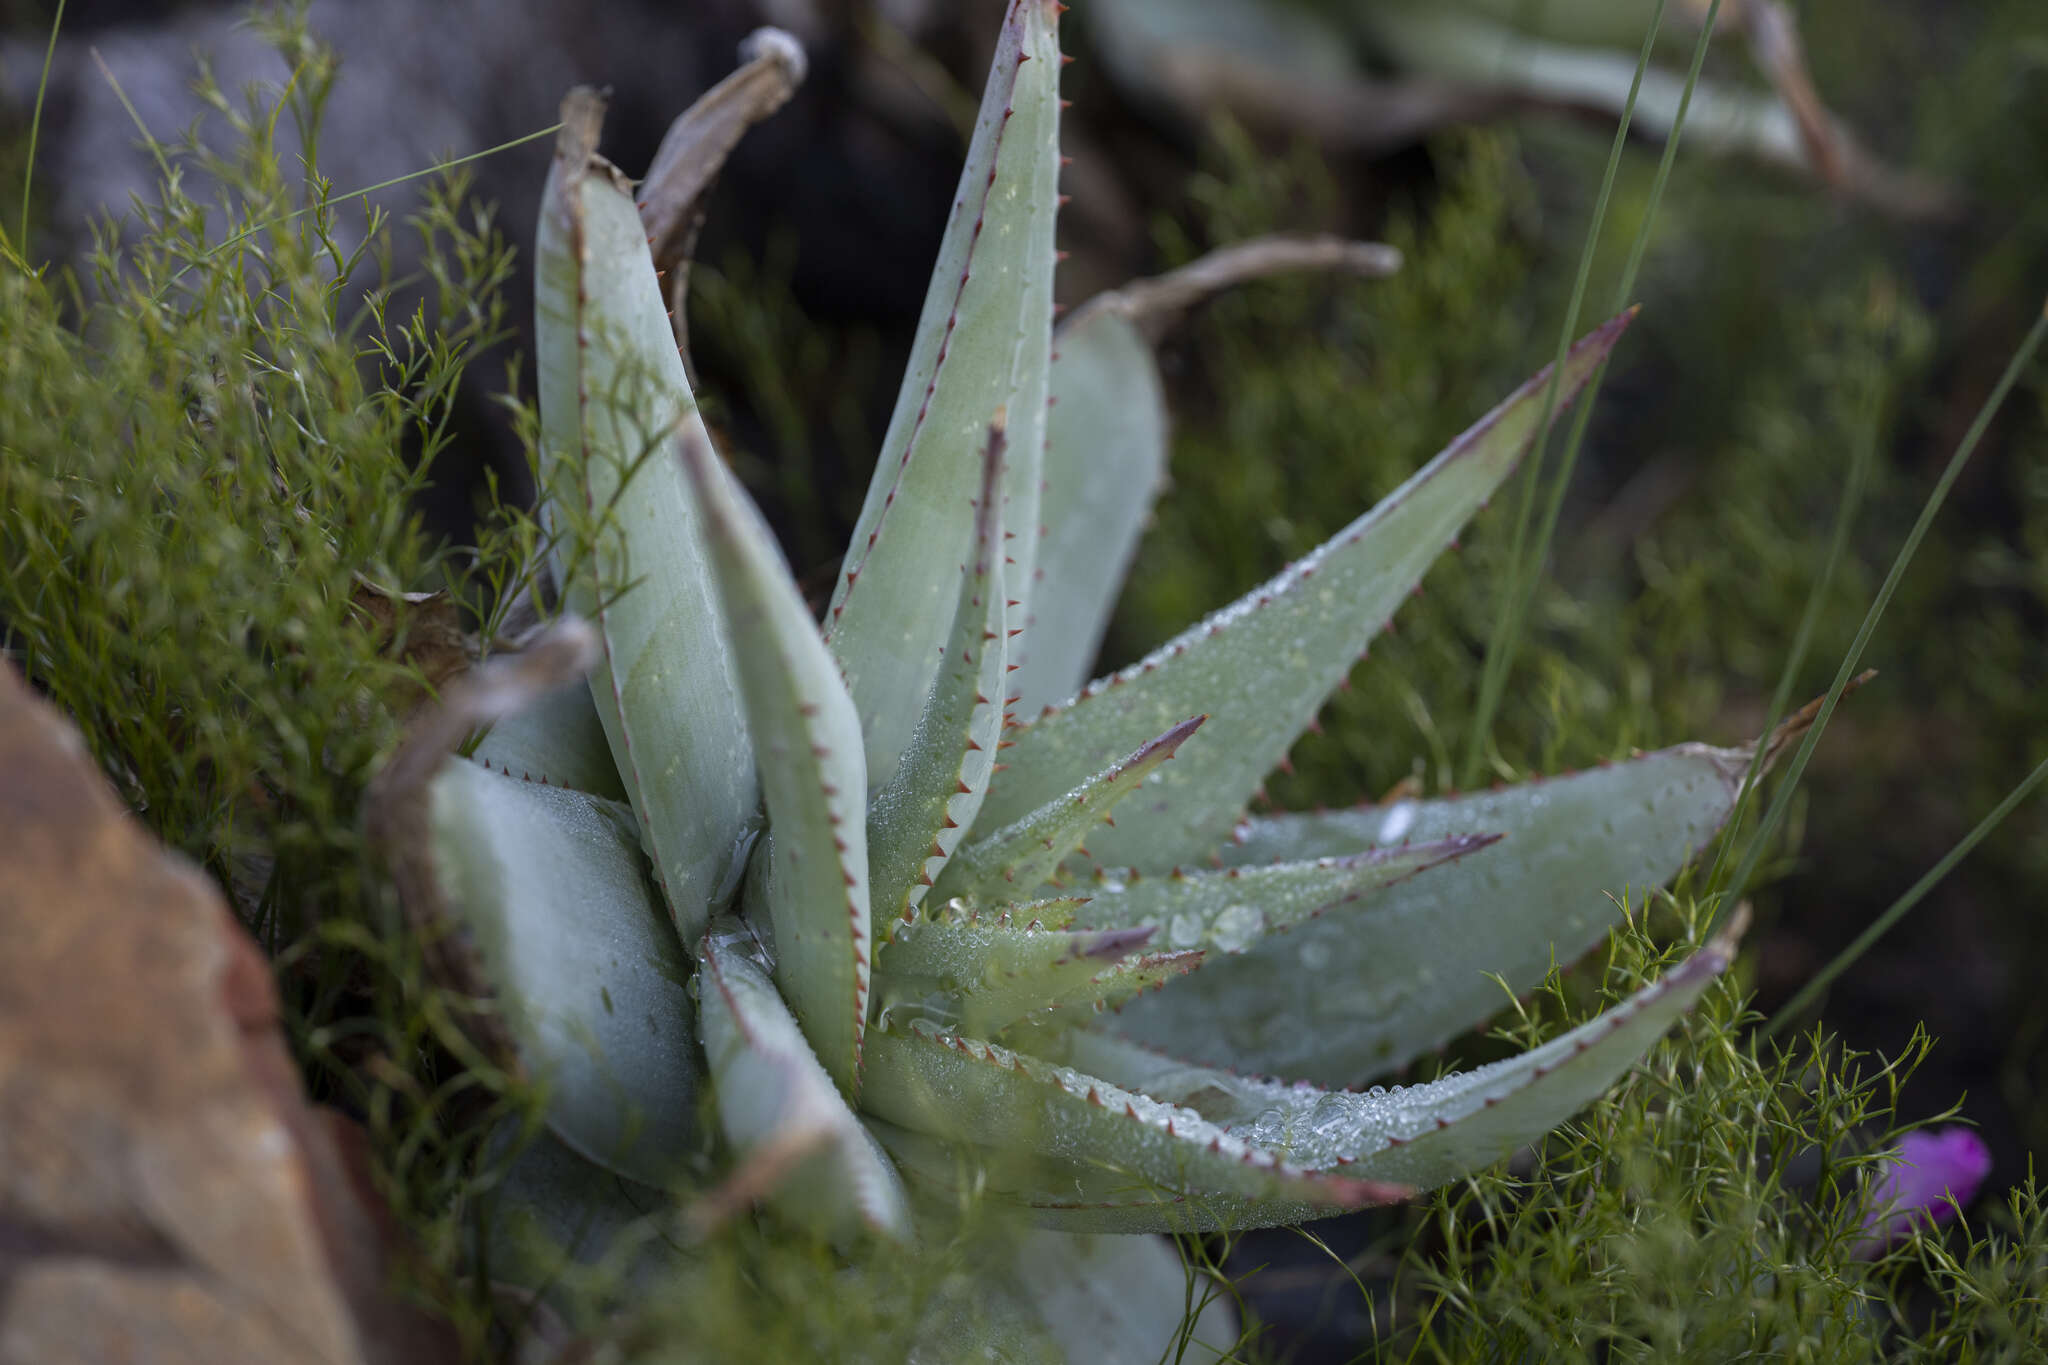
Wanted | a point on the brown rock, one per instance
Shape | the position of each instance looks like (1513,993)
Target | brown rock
(166,1193)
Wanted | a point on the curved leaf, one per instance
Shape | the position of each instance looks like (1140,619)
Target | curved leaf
(551,888)
(807,743)
(628,547)
(1105,460)
(1024,855)
(774,1097)
(1353,996)
(552,1209)
(1105,448)
(1264,665)
(981,351)
(1093,1196)
(963,1090)
(918,819)
(1113,1298)
(558,740)
(1419,1136)
(1234,909)
(1424,1135)
(982,975)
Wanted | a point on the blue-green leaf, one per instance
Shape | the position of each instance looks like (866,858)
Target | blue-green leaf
(550,889)
(776,1103)
(982,974)
(918,818)
(1105,459)
(981,351)
(1422,1135)
(1263,666)
(558,740)
(807,745)
(1233,909)
(628,548)
(962,1090)
(1021,856)
(1427,961)
(1105,447)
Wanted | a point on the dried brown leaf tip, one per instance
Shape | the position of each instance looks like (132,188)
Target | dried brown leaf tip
(166,1186)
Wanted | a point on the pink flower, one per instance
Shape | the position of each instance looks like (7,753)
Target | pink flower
(1914,1187)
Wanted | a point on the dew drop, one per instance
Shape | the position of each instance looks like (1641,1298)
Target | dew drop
(1236,926)
(1184,930)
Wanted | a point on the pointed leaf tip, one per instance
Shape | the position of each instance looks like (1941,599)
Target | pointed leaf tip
(1285,647)
(983,342)
(1027,852)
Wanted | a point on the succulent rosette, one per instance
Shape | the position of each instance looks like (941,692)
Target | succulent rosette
(905,898)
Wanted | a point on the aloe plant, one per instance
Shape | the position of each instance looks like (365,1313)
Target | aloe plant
(907,934)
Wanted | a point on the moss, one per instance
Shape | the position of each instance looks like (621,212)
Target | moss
(1707,1210)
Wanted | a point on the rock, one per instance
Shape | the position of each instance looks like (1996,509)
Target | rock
(166,1191)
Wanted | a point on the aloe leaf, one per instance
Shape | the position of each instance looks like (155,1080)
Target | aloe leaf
(774,1094)
(1026,853)
(1106,442)
(1455,44)
(982,349)
(558,740)
(965,947)
(1417,1136)
(1423,1135)
(1263,665)
(1111,1298)
(807,743)
(551,889)
(553,1209)
(1108,988)
(629,552)
(980,975)
(1428,962)
(1088,1196)
(964,1090)
(1105,459)
(917,820)
(1235,908)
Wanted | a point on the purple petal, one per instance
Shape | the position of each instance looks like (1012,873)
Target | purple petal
(1914,1188)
